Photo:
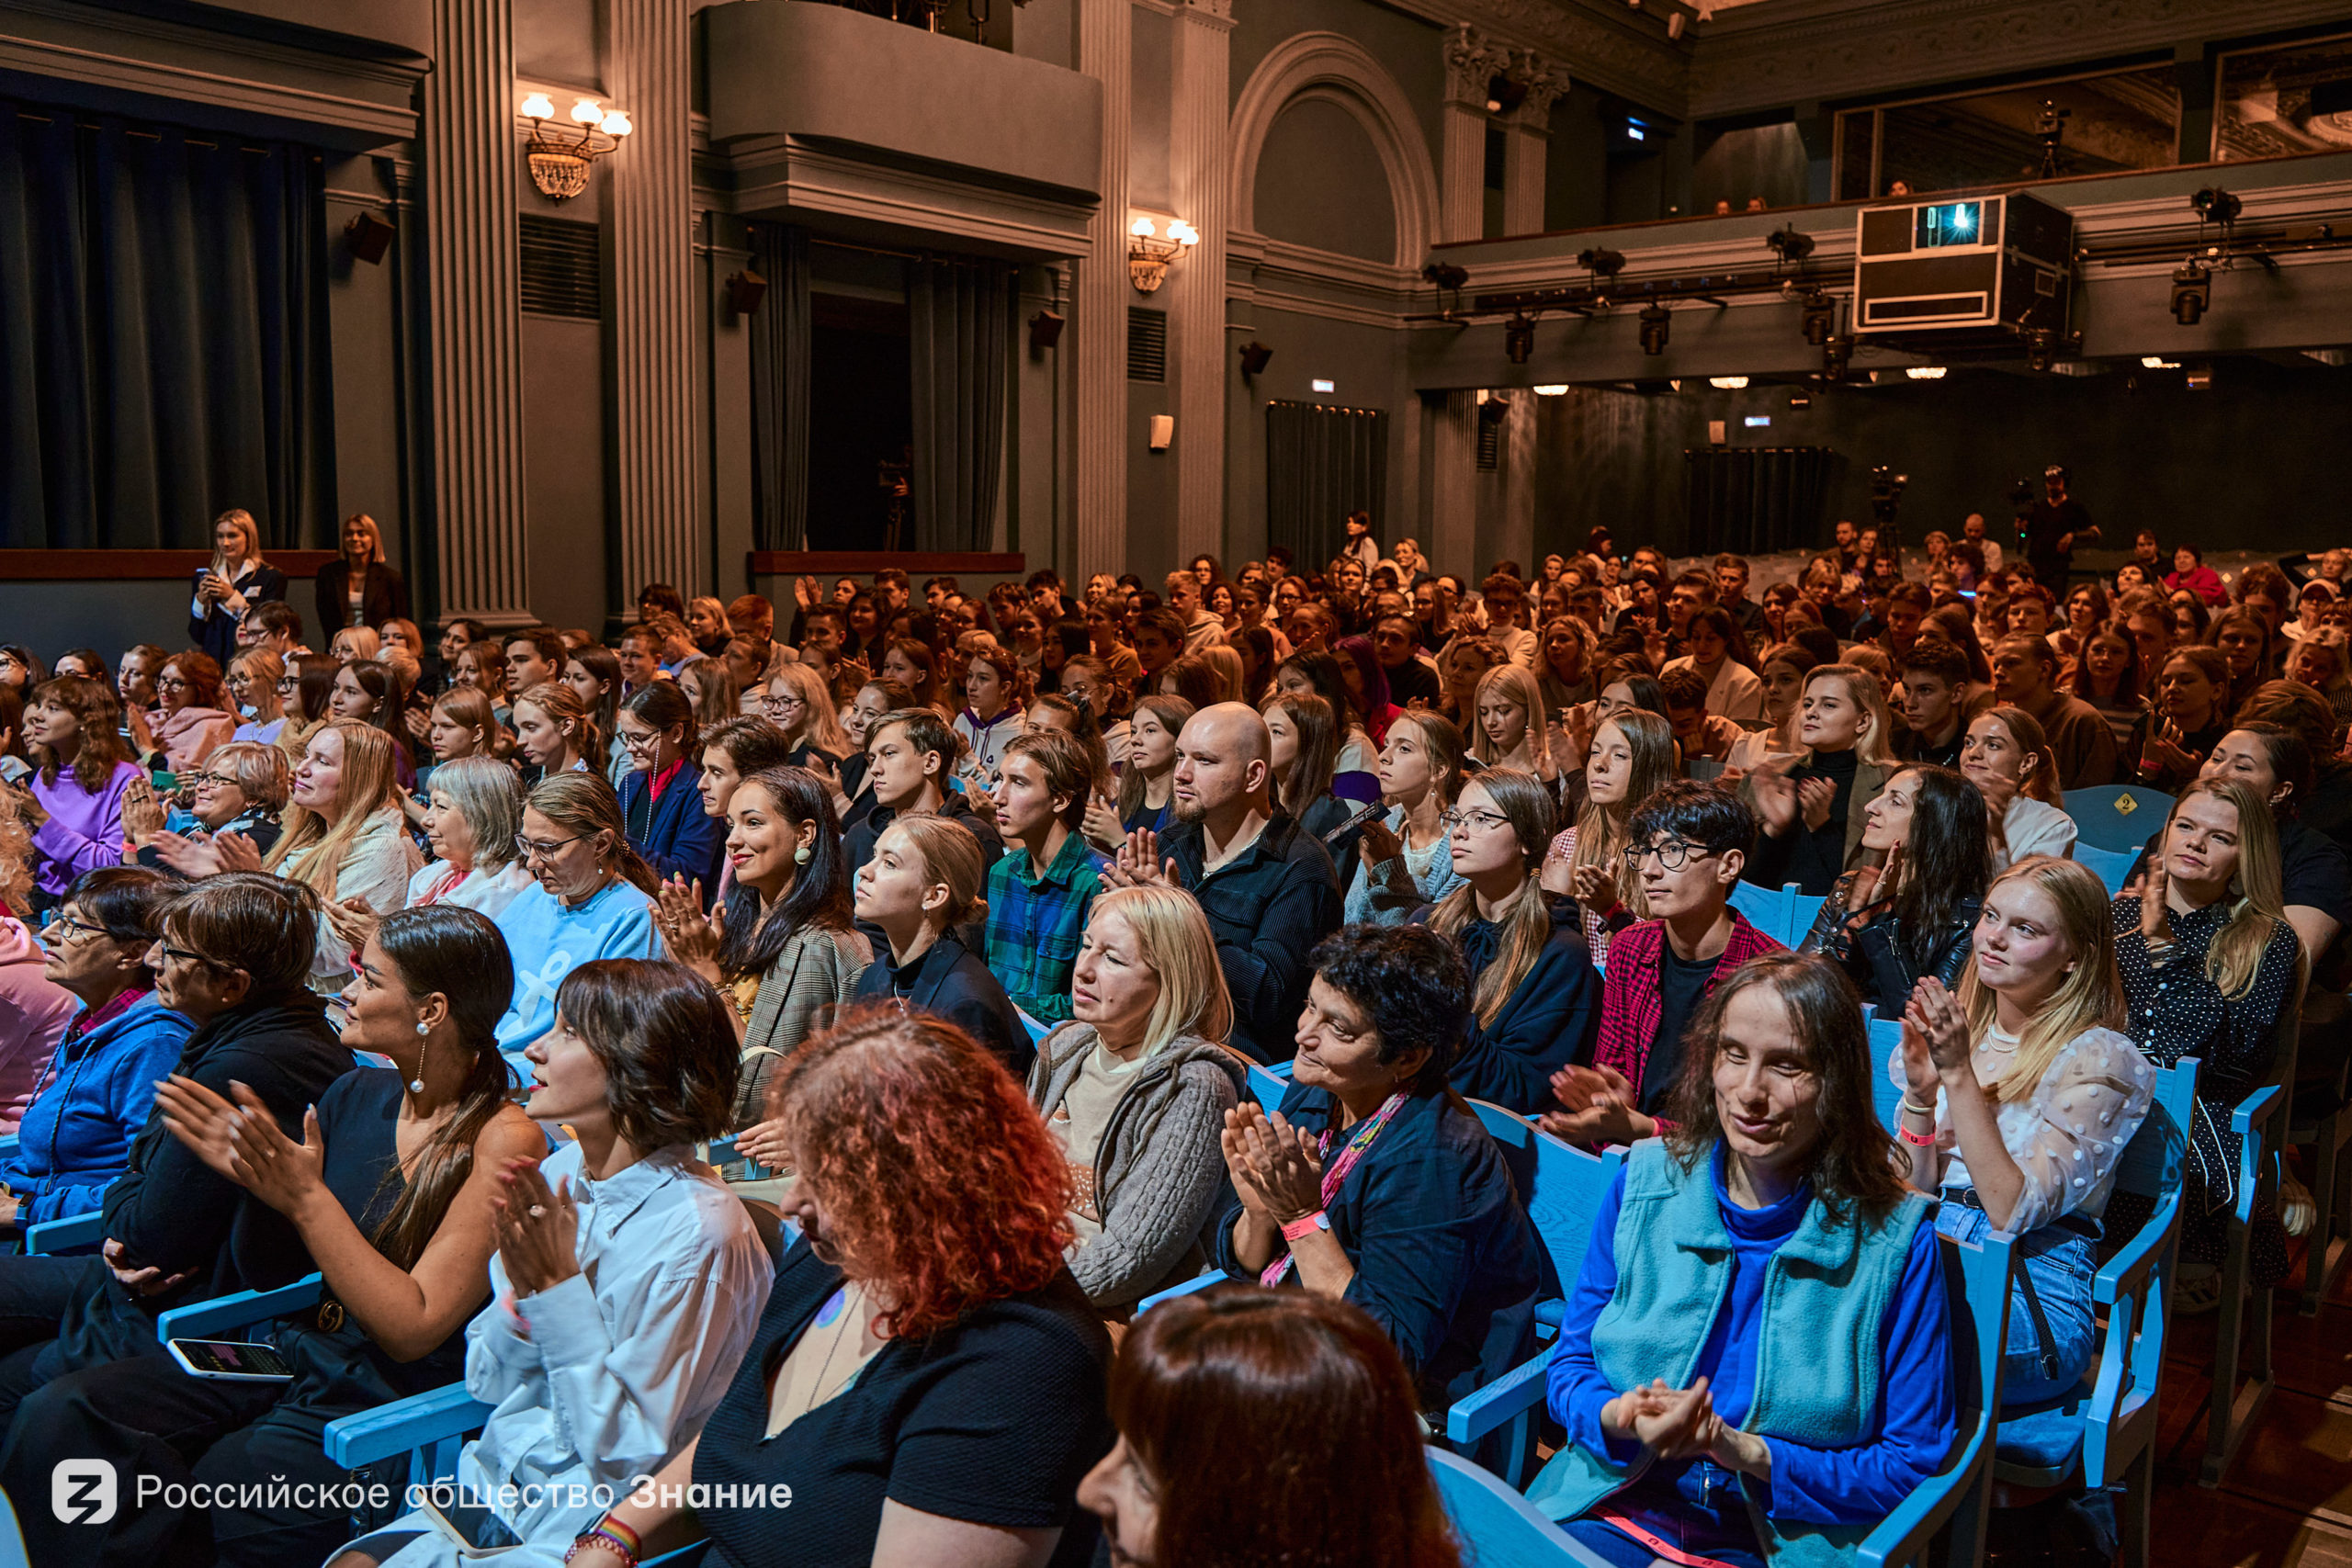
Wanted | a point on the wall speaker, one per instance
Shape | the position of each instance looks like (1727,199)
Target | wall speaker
(745,290)
(1045,329)
(1163,431)
(367,238)
(1255,357)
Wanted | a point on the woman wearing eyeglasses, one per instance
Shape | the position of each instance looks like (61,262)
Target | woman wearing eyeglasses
(796,701)
(662,801)
(1534,999)
(190,724)
(240,790)
(117,1043)
(593,897)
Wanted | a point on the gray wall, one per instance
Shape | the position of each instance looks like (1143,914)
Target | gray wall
(564,470)
(1409,49)
(2236,465)
(1765,159)
(50,617)
(1320,183)
(1366,365)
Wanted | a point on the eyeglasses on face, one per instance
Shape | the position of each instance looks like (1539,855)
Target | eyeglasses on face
(1672,855)
(72,933)
(774,703)
(1452,821)
(170,684)
(645,742)
(200,780)
(531,849)
(186,955)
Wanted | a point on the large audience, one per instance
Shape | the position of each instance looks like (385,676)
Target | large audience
(964,925)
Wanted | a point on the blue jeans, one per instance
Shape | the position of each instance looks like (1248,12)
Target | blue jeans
(2059,1262)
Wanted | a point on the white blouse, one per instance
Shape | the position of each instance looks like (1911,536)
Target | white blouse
(2069,1135)
(486,892)
(2032,827)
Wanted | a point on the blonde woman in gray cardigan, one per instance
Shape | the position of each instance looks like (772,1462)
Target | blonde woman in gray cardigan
(1136,1090)
(780,946)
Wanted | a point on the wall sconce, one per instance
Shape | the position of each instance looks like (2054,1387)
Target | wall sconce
(1150,256)
(560,162)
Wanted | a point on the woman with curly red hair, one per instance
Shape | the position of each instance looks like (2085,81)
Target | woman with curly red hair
(928,1380)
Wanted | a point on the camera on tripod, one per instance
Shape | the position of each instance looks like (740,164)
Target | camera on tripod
(1886,491)
(2022,495)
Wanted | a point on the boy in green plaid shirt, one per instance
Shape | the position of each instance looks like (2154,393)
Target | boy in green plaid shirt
(1043,885)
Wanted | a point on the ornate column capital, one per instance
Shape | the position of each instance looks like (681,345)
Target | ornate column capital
(1217,13)
(1546,84)
(1472,60)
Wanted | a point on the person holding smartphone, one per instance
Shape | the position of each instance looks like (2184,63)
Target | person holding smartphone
(237,580)
(390,1183)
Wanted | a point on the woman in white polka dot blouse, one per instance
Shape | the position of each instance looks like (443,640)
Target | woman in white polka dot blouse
(2020,1097)
(2210,967)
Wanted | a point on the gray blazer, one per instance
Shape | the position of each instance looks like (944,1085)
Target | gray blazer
(815,974)
(1159,1177)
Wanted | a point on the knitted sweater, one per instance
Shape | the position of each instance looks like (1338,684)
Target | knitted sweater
(1160,1171)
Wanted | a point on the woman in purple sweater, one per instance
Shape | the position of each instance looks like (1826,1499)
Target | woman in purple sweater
(81,777)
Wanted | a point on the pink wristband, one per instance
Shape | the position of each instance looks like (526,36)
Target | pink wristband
(1923,1140)
(1305,1225)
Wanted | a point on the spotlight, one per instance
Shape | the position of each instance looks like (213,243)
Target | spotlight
(745,290)
(1505,94)
(1820,316)
(1655,319)
(1045,329)
(1255,356)
(1600,263)
(1837,355)
(2192,292)
(1789,243)
(1445,275)
(2041,349)
(1518,339)
(2215,205)
(368,236)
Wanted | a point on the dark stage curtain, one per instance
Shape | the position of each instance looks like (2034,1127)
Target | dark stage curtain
(1753,501)
(163,343)
(960,321)
(780,390)
(1321,464)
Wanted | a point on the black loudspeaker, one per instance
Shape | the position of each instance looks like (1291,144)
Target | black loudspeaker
(368,237)
(745,290)
(1255,357)
(1045,329)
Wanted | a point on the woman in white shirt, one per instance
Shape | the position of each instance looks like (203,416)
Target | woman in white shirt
(474,819)
(629,1281)
(1719,656)
(2020,1097)
(2006,755)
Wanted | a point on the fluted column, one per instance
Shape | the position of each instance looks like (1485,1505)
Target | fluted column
(1471,62)
(650,207)
(1527,137)
(1099,307)
(1199,140)
(474,315)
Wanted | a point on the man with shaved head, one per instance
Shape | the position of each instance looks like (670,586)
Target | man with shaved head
(1266,884)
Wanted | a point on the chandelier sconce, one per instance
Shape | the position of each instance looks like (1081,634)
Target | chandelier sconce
(560,160)
(1150,254)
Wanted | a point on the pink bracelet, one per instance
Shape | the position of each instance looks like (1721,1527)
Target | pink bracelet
(1305,1225)
(1920,1140)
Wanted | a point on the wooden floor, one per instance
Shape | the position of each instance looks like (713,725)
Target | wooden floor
(2286,1503)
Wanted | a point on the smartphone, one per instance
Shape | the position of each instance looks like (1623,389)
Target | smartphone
(165,783)
(477,1532)
(231,1360)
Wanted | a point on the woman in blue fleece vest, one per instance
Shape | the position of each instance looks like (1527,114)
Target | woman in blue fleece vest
(1756,1361)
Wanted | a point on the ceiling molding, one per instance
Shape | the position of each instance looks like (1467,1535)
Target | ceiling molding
(1598,44)
(1790,51)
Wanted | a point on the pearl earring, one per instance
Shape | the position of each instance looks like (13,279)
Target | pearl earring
(416,1084)
(800,855)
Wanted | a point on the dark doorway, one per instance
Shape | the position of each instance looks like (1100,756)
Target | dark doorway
(861,416)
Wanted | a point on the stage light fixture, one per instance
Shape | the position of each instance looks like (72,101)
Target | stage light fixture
(1790,245)
(1655,319)
(1445,275)
(2192,292)
(1820,317)
(1727,383)
(1601,263)
(2215,205)
(2041,349)
(1518,339)
(1836,355)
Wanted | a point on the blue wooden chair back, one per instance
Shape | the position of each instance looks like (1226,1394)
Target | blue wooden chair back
(1766,908)
(2117,818)
(1498,1527)
(1266,1085)
(1886,1039)
(1562,1185)
(12,1540)
(1038,1028)
(2114,866)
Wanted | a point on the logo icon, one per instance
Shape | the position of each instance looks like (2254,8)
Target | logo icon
(82,1490)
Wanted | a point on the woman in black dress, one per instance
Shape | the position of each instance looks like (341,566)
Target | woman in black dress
(388,1189)
(2210,967)
(928,1381)
(358,588)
